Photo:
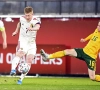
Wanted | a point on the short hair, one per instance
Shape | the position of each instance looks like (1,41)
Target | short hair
(28,9)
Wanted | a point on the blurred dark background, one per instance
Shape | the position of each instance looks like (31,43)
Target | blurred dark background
(51,6)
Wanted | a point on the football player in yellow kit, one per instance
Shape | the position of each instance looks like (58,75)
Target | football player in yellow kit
(88,54)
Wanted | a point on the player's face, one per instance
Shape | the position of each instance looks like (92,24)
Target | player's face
(98,27)
(28,16)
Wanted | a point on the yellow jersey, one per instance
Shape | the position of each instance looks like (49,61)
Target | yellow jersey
(93,46)
(2,28)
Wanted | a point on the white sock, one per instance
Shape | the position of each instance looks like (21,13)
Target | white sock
(23,75)
(15,62)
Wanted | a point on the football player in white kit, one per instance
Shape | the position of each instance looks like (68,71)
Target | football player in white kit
(2,29)
(28,25)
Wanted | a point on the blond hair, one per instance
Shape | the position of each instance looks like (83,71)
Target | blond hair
(28,9)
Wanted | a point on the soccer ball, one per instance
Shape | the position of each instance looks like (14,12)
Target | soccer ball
(23,68)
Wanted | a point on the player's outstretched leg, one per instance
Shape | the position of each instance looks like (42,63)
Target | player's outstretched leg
(22,77)
(58,54)
(44,55)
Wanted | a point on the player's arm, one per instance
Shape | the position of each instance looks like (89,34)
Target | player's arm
(35,28)
(87,38)
(17,29)
(2,29)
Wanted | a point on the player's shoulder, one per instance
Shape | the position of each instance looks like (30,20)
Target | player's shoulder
(1,22)
(37,19)
(96,30)
(22,18)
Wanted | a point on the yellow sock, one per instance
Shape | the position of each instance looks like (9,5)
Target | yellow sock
(97,78)
(56,55)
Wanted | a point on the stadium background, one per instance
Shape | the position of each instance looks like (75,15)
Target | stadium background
(64,22)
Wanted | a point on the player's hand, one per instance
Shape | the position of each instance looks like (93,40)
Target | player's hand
(4,45)
(82,40)
(14,33)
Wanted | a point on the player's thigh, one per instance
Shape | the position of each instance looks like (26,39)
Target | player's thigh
(32,51)
(91,74)
(21,49)
(22,46)
(91,63)
(31,54)
(70,52)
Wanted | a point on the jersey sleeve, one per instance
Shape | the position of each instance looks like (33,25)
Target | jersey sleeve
(90,36)
(37,21)
(2,28)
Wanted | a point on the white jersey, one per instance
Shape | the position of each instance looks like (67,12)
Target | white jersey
(25,35)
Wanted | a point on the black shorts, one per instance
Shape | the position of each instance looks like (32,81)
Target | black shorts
(91,62)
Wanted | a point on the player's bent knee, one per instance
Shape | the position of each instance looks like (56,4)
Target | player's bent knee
(70,52)
(29,59)
(67,51)
(29,62)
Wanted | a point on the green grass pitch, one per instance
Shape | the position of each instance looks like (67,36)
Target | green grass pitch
(49,83)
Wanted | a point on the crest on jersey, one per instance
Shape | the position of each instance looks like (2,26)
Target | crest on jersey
(21,48)
(31,25)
